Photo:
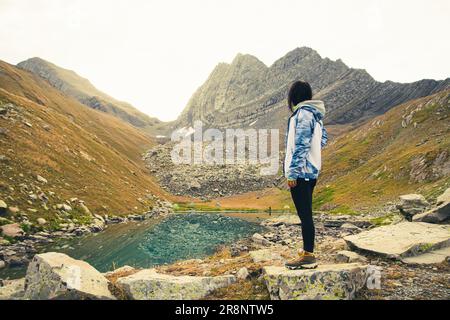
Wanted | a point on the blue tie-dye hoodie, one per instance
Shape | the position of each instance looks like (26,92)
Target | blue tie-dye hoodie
(305,138)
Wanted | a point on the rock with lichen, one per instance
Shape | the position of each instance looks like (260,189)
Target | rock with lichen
(150,285)
(327,282)
(55,275)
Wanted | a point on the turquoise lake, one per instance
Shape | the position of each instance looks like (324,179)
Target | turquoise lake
(149,243)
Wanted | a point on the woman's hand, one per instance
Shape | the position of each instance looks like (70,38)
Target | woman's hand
(292,183)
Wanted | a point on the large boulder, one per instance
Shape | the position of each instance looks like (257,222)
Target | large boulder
(412,204)
(55,275)
(335,282)
(12,230)
(148,284)
(438,214)
(401,240)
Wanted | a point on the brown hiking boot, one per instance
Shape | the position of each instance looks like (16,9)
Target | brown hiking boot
(306,260)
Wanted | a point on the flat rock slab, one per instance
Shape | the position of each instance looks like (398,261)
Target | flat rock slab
(150,285)
(55,275)
(326,282)
(433,257)
(265,255)
(401,240)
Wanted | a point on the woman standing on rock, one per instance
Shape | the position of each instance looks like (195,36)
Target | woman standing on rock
(305,138)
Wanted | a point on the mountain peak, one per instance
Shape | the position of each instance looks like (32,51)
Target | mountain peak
(237,94)
(39,62)
(297,56)
(74,85)
(46,69)
(34,60)
(242,58)
(302,52)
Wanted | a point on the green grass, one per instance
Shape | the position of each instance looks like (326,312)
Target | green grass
(79,216)
(53,225)
(324,196)
(9,239)
(25,227)
(344,210)
(383,220)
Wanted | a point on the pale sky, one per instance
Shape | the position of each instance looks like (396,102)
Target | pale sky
(155,54)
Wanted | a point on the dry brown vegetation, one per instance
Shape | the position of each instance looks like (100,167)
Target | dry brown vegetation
(82,152)
(223,263)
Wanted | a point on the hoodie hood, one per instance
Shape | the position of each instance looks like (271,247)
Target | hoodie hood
(315,104)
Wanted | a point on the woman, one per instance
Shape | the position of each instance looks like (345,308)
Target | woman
(305,138)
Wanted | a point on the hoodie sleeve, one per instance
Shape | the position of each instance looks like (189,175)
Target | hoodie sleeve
(324,136)
(303,135)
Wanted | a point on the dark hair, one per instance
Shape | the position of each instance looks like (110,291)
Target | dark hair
(300,91)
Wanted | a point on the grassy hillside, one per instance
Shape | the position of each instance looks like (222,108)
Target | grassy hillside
(81,152)
(405,150)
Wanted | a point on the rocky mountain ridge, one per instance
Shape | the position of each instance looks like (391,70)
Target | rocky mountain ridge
(82,89)
(248,93)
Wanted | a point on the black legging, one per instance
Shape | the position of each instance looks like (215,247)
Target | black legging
(302,196)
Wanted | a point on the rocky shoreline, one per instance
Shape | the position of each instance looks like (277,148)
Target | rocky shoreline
(359,257)
(252,268)
(23,246)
